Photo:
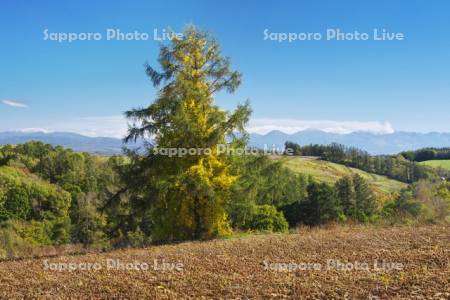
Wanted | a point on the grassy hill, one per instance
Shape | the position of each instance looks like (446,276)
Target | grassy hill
(246,268)
(445,164)
(330,172)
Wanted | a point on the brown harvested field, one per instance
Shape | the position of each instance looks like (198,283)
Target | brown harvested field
(235,269)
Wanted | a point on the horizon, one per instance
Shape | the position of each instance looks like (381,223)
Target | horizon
(44,131)
(337,86)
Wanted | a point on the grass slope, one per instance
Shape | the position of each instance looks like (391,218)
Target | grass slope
(445,164)
(330,172)
(235,269)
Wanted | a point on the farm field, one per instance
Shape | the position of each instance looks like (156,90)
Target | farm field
(331,172)
(249,268)
(445,164)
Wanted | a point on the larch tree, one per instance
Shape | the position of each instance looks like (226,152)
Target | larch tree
(184,196)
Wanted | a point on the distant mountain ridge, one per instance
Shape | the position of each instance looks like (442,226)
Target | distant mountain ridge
(373,143)
(77,142)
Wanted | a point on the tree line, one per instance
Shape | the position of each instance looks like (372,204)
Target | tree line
(392,166)
(427,154)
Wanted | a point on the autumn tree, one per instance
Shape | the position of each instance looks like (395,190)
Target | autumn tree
(184,197)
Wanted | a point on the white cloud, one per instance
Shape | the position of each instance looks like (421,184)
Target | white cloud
(101,126)
(29,130)
(14,103)
(263,126)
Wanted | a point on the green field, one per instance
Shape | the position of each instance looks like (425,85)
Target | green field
(445,164)
(330,172)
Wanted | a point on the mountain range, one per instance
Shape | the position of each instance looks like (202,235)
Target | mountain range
(77,142)
(373,143)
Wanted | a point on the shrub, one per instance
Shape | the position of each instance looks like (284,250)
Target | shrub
(19,238)
(137,238)
(267,218)
(89,223)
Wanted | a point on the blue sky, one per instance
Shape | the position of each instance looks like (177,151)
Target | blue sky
(339,86)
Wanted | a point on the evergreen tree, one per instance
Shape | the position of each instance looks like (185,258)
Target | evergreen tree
(187,195)
(346,195)
(322,205)
(365,201)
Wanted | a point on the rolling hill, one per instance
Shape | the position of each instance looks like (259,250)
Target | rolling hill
(445,164)
(329,172)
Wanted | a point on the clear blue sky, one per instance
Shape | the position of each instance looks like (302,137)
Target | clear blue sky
(69,86)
